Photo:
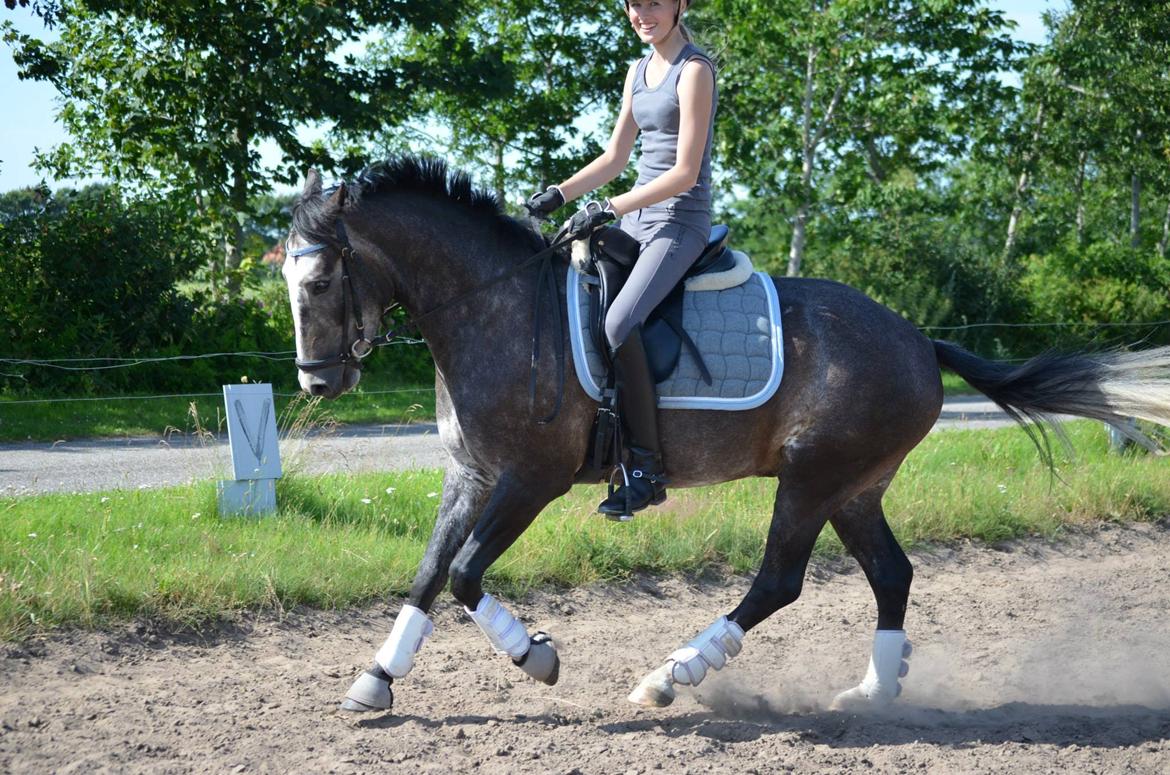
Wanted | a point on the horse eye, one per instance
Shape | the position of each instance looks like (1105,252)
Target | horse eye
(320,286)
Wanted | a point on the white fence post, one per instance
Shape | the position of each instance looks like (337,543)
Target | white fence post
(252,435)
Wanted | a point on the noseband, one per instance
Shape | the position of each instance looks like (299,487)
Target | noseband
(362,345)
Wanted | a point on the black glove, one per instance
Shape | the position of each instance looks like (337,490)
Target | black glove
(544,203)
(590,218)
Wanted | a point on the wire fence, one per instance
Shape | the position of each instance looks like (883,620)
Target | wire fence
(102,363)
(219,394)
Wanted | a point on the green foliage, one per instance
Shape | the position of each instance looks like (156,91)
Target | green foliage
(94,275)
(1100,282)
(540,67)
(78,281)
(855,91)
(176,96)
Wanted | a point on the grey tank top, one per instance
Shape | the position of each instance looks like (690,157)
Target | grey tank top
(656,112)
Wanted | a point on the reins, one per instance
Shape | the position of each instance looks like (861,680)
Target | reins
(363,346)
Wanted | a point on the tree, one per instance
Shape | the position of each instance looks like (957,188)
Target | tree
(177,95)
(852,91)
(553,64)
(1100,92)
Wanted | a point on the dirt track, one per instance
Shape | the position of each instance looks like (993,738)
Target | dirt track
(1029,658)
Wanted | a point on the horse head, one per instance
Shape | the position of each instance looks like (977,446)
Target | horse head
(328,306)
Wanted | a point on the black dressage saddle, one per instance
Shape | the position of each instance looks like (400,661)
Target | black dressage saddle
(614,253)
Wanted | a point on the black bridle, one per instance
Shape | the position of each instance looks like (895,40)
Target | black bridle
(362,346)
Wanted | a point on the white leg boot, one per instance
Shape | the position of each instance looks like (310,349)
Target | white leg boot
(536,655)
(886,666)
(371,690)
(688,666)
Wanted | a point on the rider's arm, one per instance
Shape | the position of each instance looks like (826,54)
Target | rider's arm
(610,164)
(696,90)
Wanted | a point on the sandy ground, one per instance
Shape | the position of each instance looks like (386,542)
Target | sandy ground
(1030,657)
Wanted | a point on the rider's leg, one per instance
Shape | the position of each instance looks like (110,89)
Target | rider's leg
(644,483)
(669,247)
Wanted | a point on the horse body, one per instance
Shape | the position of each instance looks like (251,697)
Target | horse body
(861,389)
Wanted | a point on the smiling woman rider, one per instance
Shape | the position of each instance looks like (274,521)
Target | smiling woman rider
(670,98)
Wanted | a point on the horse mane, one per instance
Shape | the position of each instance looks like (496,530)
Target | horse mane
(427,175)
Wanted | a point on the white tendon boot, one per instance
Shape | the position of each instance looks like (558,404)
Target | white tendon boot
(688,666)
(396,657)
(886,666)
(535,655)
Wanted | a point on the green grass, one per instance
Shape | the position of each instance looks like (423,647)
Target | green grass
(954,385)
(339,540)
(72,419)
(370,403)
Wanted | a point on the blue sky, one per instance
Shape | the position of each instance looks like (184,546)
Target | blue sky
(31,125)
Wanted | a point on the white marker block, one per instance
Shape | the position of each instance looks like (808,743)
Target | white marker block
(252,431)
(248,498)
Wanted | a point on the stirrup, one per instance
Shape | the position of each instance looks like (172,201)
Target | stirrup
(655,481)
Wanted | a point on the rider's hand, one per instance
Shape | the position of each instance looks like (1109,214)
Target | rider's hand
(545,203)
(590,218)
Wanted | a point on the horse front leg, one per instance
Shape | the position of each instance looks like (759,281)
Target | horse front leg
(512,508)
(464,496)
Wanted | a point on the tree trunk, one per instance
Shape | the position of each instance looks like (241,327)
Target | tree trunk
(1135,211)
(1165,241)
(234,234)
(1022,187)
(799,227)
(1082,160)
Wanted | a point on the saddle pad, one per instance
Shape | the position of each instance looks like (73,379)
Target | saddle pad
(737,331)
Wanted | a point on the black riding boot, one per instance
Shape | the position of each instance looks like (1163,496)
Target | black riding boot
(643,483)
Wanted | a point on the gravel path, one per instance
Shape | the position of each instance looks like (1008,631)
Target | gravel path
(105,464)
(1029,658)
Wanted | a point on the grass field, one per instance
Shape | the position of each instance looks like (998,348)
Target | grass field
(142,416)
(21,420)
(87,560)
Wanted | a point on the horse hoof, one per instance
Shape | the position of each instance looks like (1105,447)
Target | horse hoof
(651,696)
(541,661)
(856,700)
(655,691)
(368,693)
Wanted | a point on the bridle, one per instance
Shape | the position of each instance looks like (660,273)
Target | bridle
(362,346)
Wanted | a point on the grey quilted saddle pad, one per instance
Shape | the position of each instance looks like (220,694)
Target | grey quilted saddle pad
(737,331)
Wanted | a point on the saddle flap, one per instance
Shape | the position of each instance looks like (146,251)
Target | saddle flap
(616,244)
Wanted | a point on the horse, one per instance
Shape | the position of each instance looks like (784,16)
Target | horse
(861,389)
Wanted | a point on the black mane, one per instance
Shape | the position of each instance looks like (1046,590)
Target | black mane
(313,218)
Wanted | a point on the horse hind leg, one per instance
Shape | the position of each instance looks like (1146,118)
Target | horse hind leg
(862,527)
(798,516)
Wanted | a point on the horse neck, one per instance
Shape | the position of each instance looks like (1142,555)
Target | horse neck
(433,252)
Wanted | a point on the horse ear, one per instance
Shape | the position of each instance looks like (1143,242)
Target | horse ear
(338,198)
(312,184)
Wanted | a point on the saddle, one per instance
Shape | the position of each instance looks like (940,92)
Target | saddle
(612,256)
(610,259)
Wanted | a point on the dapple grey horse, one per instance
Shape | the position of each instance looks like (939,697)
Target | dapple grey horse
(861,388)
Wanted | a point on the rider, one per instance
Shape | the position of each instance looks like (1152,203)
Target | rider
(669,96)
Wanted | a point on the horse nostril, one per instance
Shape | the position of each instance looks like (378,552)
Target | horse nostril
(318,389)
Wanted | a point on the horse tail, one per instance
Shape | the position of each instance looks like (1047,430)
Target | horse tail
(1112,386)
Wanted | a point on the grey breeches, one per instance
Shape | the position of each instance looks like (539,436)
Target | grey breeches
(671,241)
